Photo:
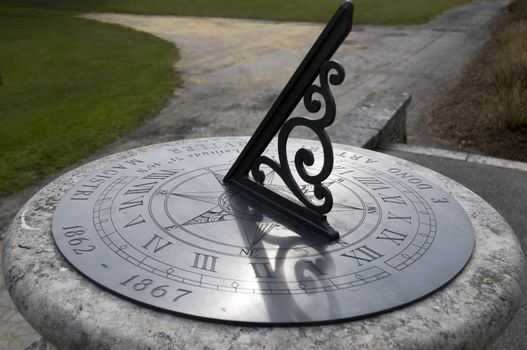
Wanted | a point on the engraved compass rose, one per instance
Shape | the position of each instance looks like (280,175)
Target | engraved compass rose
(217,204)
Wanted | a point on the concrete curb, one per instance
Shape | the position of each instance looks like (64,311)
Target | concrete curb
(457,155)
(377,120)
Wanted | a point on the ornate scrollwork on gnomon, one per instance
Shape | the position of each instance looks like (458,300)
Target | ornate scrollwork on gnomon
(310,213)
(332,73)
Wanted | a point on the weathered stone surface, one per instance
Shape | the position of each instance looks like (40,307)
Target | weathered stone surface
(378,119)
(15,333)
(72,313)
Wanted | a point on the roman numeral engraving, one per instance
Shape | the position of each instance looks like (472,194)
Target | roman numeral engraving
(393,199)
(342,170)
(131,203)
(372,182)
(136,221)
(144,188)
(262,270)
(407,219)
(393,236)
(160,175)
(205,262)
(156,241)
(141,188)
(363,255)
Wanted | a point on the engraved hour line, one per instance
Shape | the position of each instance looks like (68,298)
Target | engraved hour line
(158,245)
(205,262)
(363,255)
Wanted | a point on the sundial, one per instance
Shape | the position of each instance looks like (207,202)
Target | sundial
(271,229)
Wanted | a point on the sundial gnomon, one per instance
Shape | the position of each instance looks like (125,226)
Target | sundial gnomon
(164,228)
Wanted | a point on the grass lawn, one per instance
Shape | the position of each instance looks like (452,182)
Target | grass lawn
(69,86)
(367,11)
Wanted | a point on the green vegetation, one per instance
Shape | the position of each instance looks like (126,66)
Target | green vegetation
(508,70)
(69,86)
(368,11)
(486,111)
(395,12)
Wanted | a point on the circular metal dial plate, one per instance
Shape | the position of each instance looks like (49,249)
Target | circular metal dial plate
(162,229)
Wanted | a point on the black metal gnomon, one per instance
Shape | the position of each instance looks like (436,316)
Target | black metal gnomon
(316,63)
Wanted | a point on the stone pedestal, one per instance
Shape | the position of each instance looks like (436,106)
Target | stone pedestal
(72,313)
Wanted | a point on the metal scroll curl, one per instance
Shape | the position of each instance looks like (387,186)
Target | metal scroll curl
(332,73)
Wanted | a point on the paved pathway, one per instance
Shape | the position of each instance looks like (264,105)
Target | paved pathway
(233,69)
(15,333)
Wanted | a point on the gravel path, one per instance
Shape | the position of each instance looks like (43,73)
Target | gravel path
(233,70)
